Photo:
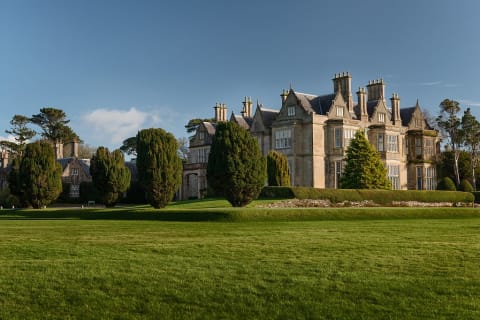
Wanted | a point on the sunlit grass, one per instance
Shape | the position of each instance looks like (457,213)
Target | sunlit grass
(370,268)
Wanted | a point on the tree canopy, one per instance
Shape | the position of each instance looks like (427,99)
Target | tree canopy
(53,123)
(109,174)
(159,166)
(39,175)
(20,132)
(236,168)
(449,121)
(364,168)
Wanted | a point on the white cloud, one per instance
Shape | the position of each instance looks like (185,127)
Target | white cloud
(112,125)
(8,138)
(109,127)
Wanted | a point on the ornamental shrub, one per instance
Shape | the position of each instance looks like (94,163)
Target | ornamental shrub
(110,176)
(236,168)
(39,175)
(159,166)
(465,185)
(446,184)
(277,169)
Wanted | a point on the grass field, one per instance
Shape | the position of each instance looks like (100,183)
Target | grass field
(328,264)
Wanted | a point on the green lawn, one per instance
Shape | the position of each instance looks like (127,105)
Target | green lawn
(357,265)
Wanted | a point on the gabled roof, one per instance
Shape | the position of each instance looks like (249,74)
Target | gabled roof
(84,164)
(244,122)
(406,115)
(313,103)
(210,127)
(268,116)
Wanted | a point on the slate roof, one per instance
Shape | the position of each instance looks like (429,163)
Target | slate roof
(313,103)
(268,116)
(244,122)
(210,128)
(84,163)
(406,115)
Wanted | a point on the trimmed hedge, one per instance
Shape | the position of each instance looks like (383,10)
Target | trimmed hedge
(382,197)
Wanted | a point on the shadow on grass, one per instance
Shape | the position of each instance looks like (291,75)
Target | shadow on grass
(114,214)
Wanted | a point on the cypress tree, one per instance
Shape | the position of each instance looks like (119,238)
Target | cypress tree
(236,168)
(277,169)
(364,168)
(159,166)
(40,175)
(109,174)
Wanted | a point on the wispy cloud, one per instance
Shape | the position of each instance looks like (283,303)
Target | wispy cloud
(438,84)
(470,103)
(429,84)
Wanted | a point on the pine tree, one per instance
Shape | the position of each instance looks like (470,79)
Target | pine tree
(277,169)
(159,166)
(364,168)
(236,168)
(39,175)
(109,174)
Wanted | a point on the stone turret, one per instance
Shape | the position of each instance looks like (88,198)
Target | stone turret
(342,82)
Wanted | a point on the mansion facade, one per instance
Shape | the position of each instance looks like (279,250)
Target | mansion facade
(314,132)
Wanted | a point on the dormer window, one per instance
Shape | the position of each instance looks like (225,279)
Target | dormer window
(418,123)
(74,171)
(291,111)
(381,117)
(339,111)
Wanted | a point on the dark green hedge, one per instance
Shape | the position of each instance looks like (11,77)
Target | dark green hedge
(382,197)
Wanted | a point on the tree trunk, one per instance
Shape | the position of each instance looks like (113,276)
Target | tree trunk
(455,167)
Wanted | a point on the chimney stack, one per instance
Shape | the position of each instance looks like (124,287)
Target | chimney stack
(220,112)
(284,95)
(343,82)
(395,103)
(59,149)
(376,90)
(247,107)
(4,158)
(362,103)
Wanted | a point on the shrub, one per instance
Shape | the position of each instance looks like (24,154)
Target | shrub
(382,197)
(277,169)
(277,193)
(446,184)
(465,185)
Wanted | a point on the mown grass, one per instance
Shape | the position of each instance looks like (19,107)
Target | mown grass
(344,264)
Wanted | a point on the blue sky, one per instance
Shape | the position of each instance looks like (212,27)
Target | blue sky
(118,66)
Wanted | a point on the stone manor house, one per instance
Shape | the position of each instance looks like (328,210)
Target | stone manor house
(314,131)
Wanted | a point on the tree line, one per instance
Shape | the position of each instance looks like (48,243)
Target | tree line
(236,168)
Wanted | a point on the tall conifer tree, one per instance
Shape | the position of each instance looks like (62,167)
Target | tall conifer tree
(109,174)
(159,166)
(364,168)
(236,168)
